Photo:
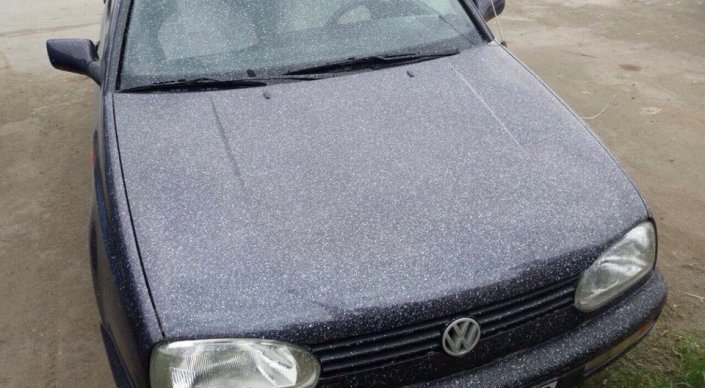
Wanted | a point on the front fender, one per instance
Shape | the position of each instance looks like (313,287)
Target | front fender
(129,322)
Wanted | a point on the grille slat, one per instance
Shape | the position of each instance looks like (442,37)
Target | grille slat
(378,350)
(432,335)
(378,337)
(379,358)
(522,298)
(492,330)
(529,305)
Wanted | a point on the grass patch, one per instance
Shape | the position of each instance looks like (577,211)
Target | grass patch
(663,359)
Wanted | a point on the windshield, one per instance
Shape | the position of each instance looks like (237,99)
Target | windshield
(171,40)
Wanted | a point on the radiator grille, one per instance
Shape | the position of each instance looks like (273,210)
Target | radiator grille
(380,349)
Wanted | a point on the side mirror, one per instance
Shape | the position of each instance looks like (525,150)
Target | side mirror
(76,56)
(486,9)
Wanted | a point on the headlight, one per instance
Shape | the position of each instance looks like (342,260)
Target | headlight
(232,362)
(624,264)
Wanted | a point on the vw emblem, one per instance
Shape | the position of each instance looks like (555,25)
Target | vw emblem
(461,336)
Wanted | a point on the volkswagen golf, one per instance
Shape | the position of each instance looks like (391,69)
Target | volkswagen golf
(349,193)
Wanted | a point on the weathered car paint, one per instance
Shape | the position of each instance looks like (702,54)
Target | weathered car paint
(334,206)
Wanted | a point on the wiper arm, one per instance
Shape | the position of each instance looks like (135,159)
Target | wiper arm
(373,61)
(212,83)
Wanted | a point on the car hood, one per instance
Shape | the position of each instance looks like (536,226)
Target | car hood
(312,210)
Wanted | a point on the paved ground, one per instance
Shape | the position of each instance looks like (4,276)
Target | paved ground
(635,68)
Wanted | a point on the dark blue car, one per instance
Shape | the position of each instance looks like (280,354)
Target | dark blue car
(350,193)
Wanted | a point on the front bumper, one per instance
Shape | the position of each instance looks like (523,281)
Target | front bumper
(565,357)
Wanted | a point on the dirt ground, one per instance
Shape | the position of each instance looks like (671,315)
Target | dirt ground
(634,68)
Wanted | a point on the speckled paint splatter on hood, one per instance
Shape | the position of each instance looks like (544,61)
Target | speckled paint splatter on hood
(360,202)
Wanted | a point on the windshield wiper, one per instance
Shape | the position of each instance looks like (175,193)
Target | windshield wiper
(212,83)
(374,61)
